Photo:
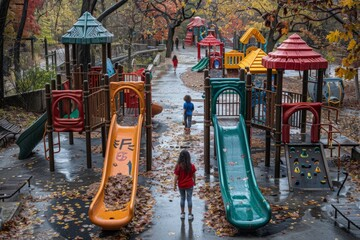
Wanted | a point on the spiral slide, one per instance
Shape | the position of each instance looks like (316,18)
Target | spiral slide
(245,206)
(122,156)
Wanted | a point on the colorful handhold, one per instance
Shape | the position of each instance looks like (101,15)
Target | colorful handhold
(297,170)
(317,169)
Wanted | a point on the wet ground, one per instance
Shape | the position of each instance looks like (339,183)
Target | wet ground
(56,204)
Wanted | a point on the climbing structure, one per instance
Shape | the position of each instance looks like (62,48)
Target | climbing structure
(196,30)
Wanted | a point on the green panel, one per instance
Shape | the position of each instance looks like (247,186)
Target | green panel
(218,85)
(31,137)
(201,65)
(245,206)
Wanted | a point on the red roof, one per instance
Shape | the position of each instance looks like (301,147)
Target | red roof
(294,54)
(210,40)
(196,22)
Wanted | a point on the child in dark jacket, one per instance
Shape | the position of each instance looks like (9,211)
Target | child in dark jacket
(185,179)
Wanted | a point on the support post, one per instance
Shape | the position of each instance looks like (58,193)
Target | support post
(319,95)
(278,122)
(103,128)
(103,58)
(108,48)
(268,115)
(107,105)
(207,122)
(248,107)
(87,124)
(46,54)
(304,99)
(223,58)
(148,121)
(49,127)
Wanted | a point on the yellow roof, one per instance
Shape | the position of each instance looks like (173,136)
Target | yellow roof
(253,61)
(252,32)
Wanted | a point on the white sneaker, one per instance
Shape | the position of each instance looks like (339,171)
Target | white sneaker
(182,216)
(191,217)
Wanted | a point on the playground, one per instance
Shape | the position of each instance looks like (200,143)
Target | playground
(241,191)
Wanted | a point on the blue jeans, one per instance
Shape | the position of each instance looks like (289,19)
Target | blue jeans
(188,193)
(187,120)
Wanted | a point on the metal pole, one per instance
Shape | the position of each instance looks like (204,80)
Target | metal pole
(148,121)
(278,122)
(87,124)
(207,122)
(268,114)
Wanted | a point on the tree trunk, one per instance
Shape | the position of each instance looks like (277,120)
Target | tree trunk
(130,50)
(170,42)
(4,6)
(357,88)
(270,42)
(18,41)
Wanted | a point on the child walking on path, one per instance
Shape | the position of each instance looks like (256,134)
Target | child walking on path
(185,179)
(175,62)
(188,110)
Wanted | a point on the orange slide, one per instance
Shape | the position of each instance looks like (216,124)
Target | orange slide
(122,156)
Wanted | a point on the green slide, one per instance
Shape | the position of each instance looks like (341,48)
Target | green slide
(245,206)
(31,137)
(200,65)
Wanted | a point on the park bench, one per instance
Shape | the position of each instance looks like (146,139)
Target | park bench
(7,129)
(13,185)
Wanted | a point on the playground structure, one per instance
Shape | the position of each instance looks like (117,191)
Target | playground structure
(196,30)
(245,206)
(122,156)
(64,106)
(333,92)
(236,105)
(213,58)
(251,40)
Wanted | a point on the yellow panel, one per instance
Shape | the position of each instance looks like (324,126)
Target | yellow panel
(254,62)
(252,32)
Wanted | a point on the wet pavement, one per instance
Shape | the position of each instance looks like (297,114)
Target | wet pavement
(58,202)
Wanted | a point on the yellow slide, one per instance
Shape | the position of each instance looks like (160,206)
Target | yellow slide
(122,156)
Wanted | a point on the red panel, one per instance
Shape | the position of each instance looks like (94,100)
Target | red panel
(290,108)
(67,124)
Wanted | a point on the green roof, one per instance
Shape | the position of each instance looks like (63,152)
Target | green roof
(87,30)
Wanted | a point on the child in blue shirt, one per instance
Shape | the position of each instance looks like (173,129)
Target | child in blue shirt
(188,110)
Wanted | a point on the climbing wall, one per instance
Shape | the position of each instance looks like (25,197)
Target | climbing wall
(307,167)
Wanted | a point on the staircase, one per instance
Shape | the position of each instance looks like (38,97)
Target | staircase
(189,38)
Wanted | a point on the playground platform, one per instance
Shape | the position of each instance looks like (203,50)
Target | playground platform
(47,198)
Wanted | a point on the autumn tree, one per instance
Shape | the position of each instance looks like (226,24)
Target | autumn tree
(223,15)
(173,12)
(4,7)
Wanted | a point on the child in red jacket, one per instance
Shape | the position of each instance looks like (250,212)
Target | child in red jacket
(186,180)
(175,62)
